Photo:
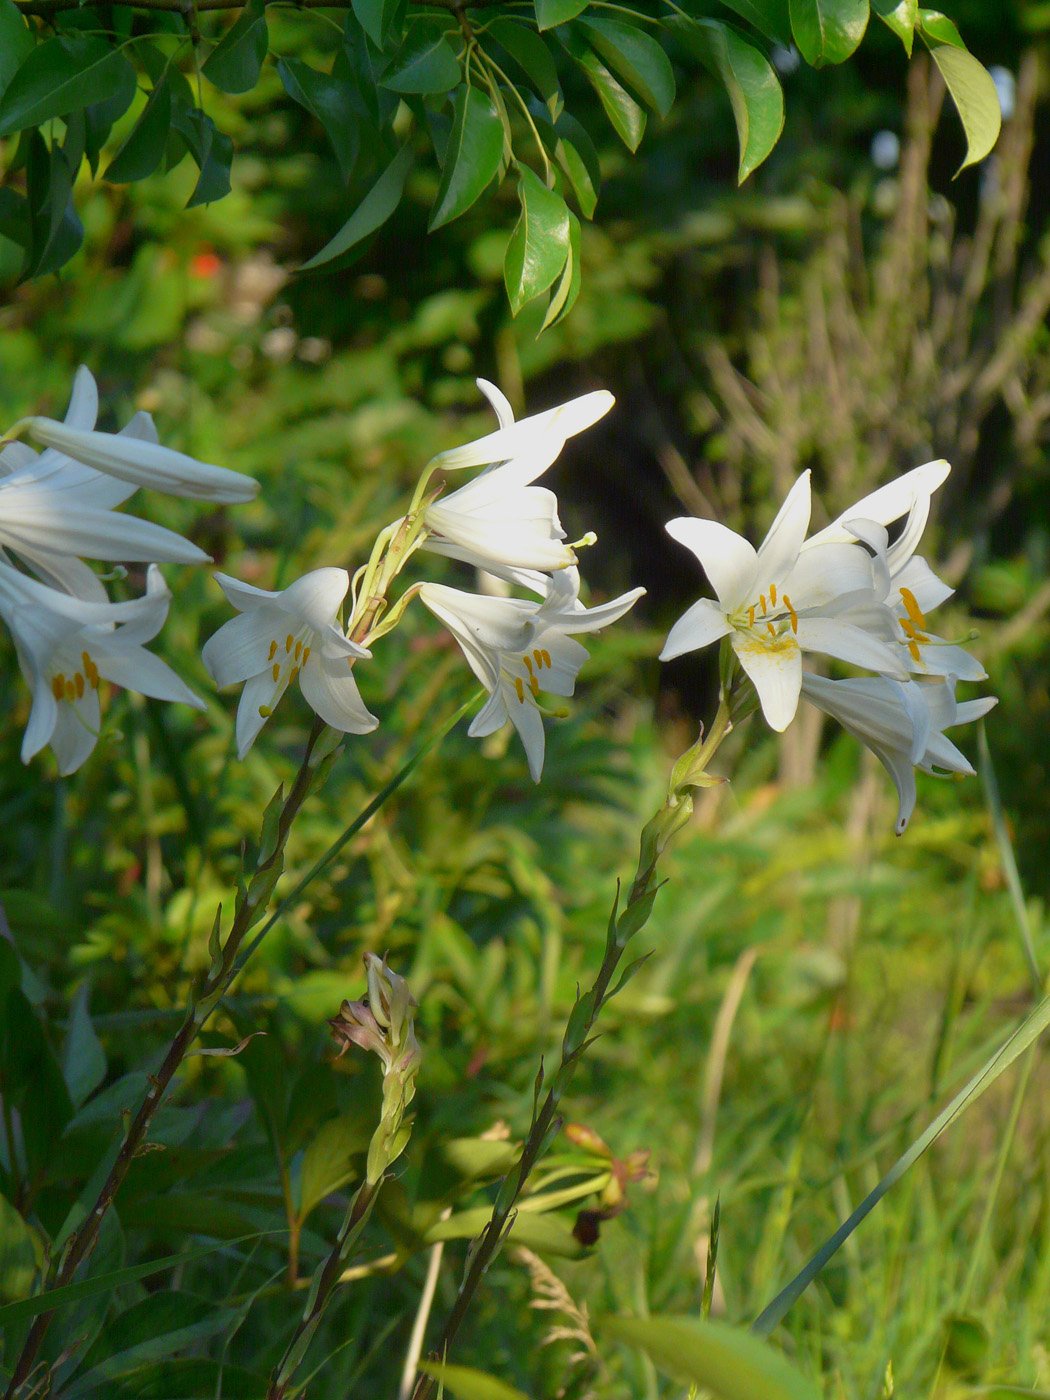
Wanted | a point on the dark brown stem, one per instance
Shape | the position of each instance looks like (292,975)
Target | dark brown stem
(50,7)
(83,1240)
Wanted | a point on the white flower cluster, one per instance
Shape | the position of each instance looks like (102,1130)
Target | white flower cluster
(58,507)
(846,592)
(499,522)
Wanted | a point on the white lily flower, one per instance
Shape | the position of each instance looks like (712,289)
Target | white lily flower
(280,636)
(780,600)
(904,581)
(66,646)
(499,521)
(902,724)
(517,648)
(53,509)
(133,459)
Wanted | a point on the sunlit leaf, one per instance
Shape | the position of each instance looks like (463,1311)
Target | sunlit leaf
(828,31)
(750,82)
(539,244)
(625,115)
(969,83)
(473,155)
(636,58)
(729,1363)
(552,12)
(466,1383)
(770,17)
(532,56)
(373,211)
(563,298)
(901,16)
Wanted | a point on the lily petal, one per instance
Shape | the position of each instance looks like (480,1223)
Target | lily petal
(730,562)
(776,674)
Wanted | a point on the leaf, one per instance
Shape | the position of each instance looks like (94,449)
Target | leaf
(21,1253)
(325,1164)
(939,28)
(532,56)
(143,148)
(59,76)
(636,58)
(750,82)
(99,117)
(552,12)
(580,175)
(427,63)
(373,211)
(29,1072)
(379,19)
(473,155)
(210,148)
(152,1329)
(901,16)
(770,17)
(828,31)
(550,1233)
(539,244)
(27,1308)
(84,1061)
(973,93)
(16,42)
(627,118)
(235,63)
(468,1384)
(729,1363)
(14,224)
(1029,1030)
(568,288)
(328,100)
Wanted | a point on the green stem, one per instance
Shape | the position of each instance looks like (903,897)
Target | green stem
(622,926)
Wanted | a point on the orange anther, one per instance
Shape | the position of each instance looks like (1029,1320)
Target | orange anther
(773,594)
(276,672)
(791,613)
(545,655)
(520,688)
(273,650)
(912,608)
(58,687)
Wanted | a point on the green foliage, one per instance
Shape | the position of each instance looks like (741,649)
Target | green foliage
(473,92)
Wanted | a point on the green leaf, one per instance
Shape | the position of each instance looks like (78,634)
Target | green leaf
(1029,1030)
(326,1163)
(235,63)
(27,1308)
(539,244)
(143,148)
(373,211)
(532,56)
(552,12)
(549,1233)
(426,63)
(29,1071)
(729,1363)
(99,117)
(579,172)
(568,288)
(59,76)
(14,224)
(636,58)
(16,42)
(901,16)
(328,100)
(466,1383)
(828,31)
(627,118)
(754,91)
(380,19)
(84,1061)
(210,148)
(972,90)
(473,155)
(21,1253)
(770,17)
(939,29)
(155,1328)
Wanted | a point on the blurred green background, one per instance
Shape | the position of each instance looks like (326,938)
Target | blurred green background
(818,988)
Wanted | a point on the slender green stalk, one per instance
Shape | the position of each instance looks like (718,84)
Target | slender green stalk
(689,771)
